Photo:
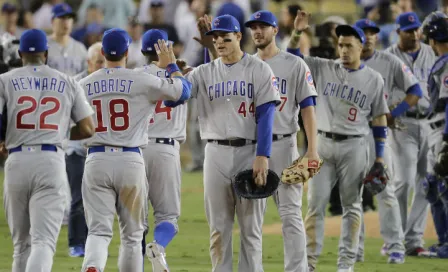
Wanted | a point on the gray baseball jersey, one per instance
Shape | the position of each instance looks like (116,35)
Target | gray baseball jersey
(347,99)
(166,122)
(122,99)
(70,60)
(40,101)
(295,83)
(221,89)
(396,74)
(420,67)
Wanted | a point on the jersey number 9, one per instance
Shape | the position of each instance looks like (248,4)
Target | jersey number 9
(117,110)
(54,107)
(352,113)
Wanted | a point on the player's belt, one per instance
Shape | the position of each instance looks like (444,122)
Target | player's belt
(437,124)
(416,115)
(44,147)
(95,149)
(167,141)
(236,142)
(277,137)
(338,137)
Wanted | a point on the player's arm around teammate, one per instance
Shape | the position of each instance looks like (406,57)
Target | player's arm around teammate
(167,130)
(343,127)
(236,96)
(115,169)
(297,91)
(39,112)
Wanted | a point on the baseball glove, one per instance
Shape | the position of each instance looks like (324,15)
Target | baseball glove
(298,171)
(441,166)
(244,185)
(376,179)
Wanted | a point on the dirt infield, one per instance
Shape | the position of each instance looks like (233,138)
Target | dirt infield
(333,227)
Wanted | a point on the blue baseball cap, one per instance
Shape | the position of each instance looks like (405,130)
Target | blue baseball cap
(9,8)
(225,23)
(33,41)
(348,30)
(151,37)
(367,24)
(262,16)
(407,21)
(116,41)
(61,10)
(157,3)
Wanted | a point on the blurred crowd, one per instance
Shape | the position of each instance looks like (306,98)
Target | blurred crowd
(178,19)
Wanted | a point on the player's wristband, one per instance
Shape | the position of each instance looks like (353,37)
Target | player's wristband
(400,109)
(380,134)
(172,68)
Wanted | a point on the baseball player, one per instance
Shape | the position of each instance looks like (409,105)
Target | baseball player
(65,53)
(437,179)
(410,145)
(162,159)
(297,92)
(397,76)
(114,176)
(40,102)
(350,94)
(75,159)
(236,96)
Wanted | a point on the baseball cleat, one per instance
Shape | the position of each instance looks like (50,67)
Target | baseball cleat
(345,269)
(92,269)
(434,248)
(360,258)
(396,258)
(442,251)
(384,250)
(420,252)
(156,254)
(76,251)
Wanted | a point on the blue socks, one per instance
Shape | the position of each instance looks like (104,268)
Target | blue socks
(164,232)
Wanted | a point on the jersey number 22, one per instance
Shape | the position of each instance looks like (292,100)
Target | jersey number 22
(54,106)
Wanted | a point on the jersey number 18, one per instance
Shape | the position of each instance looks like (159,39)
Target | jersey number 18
(118,112)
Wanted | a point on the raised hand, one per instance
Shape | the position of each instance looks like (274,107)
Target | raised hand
(204,25)
(301,21)
(165,53)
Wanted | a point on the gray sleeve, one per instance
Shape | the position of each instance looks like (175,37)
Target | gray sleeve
(193,77)
(161,88)
(304,82)
(379,103)
(315,65)
(81,107)
(265,85)
(403,77)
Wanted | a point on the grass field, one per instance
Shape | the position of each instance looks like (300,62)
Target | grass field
(189,249)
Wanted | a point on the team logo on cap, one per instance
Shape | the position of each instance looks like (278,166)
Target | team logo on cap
(309,78)
(367,22)
(275,83)
(406,69)
(65,7)
(411,18)
(445,82)
(258,15)
(216,23)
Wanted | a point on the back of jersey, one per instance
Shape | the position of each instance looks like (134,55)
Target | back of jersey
(166,122)
(123,100)
(40,102)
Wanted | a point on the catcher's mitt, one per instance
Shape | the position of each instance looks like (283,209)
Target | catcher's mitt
(298,171)
(376,179)
(244,185)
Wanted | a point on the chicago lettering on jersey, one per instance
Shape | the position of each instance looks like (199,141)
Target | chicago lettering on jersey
(163,74)
(109,85)
(236,87)
(345,92)
(282,85)
(38,84)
